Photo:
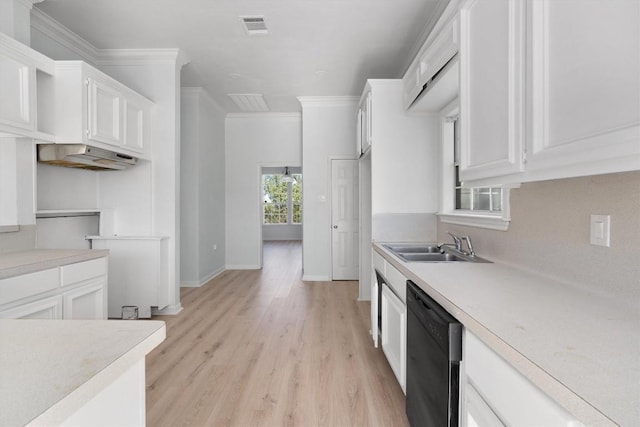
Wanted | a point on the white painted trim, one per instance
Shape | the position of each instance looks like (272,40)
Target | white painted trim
(243,267)
(316,278)
(56,31)
(26,55)
(263,115)
(141,57)
(481,221)
(327,101)
(61,34)
(202,282)
(9,228)
(169,310)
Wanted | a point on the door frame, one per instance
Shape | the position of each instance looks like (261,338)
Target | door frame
(330,193)
(261,166)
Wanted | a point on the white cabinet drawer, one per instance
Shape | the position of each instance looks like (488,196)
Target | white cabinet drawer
(15,288)
(397,282)
(75,273)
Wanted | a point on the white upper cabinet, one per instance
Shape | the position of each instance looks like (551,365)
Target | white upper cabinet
(92,108)
(491,88)
(18,86)
(548,89)
(364,123)
(584,87)
(440,46)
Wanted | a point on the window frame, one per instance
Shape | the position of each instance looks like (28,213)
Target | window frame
(289,203)
(447,210)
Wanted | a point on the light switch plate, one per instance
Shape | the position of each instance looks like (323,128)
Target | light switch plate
(600,230)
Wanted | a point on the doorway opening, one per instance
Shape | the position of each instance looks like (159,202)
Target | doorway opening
(281,204)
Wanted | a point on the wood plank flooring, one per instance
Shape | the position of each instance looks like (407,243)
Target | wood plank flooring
(264,348)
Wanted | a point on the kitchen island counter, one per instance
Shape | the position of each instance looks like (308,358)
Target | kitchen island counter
(50,370)
(580,346)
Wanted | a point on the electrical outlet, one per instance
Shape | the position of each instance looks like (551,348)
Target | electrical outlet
(601,230)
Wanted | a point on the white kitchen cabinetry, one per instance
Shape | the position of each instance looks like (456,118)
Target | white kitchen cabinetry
(86,302)
(18,68)
(92,108)
(394,334)
(491,88)
(530,65)
(584,87)
(46,308)
(137,272)
(440,46)
(73,291)
(496,394)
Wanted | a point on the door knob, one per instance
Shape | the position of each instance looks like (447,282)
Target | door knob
(335,226)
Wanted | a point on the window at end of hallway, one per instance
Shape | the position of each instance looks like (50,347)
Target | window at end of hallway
(282,201)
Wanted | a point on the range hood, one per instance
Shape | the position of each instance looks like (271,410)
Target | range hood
(83,156)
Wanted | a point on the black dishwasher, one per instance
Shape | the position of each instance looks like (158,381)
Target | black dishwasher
(434,352)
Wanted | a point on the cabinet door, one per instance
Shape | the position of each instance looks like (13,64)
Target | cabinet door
(443,47)
(134,126)
(394,334)
(584,89)
(491,88)
(46,308)
(104,117)
(359,133)
(86,302)
(17,86)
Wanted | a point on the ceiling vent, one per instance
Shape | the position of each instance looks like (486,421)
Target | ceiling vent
(250,102)
(254,24)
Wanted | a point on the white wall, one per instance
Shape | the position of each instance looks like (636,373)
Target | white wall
(328,131)
(254,141)
(202,188)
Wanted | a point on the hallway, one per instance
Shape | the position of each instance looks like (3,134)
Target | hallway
(264,348)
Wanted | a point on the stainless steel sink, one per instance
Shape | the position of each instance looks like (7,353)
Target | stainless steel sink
(427,257)
(430,253)
(411,249)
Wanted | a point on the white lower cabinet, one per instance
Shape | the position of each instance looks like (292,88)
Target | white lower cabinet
(46,308)
(495,394)
(70,292)
(394,334)
(86,302)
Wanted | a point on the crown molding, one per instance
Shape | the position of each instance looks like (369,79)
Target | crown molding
(328,101)
(91,54)
(141,57)
(61,34)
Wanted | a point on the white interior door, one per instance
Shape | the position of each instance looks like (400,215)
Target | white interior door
(344,219)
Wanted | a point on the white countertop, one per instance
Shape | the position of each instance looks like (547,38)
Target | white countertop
(50,368)
(580,347)
(24,262)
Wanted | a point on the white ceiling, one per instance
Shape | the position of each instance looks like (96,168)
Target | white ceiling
(314,47)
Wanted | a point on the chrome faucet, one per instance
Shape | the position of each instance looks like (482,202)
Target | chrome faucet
(457,245)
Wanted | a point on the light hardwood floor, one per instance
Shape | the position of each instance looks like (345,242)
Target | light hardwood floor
(264,348)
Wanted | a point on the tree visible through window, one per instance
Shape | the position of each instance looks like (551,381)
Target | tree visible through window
(282,200)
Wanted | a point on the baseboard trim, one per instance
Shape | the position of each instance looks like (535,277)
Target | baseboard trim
(243,267)
(311,278)
(169,310)
(201,282)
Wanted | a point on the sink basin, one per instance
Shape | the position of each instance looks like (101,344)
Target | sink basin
(411,249)
(429,253)
(431,257)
